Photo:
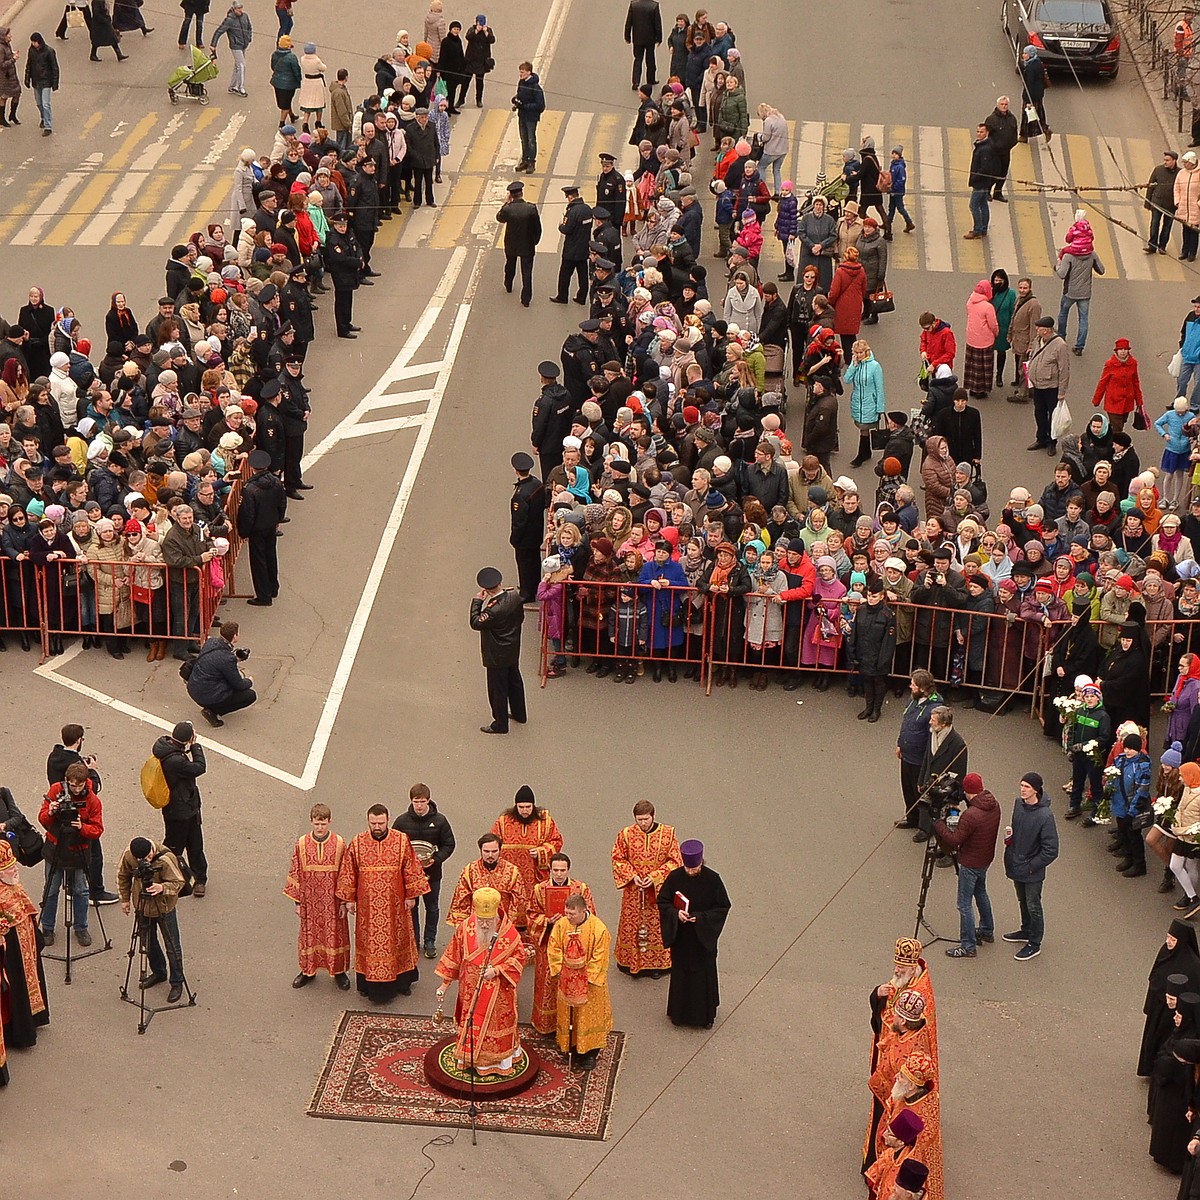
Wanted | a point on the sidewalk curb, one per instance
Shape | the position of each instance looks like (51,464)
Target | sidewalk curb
(11,13)
(1170,134)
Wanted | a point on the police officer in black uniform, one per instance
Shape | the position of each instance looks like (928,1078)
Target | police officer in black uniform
(576,228)
(268,426)
(294,410)
(497,615)
(610,187)
(344,262)
(528,526)
(580,357)
(551,419)
(263,507)
(522,232)
(607,235)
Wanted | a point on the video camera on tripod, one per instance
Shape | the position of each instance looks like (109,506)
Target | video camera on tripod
(147,872)
(945,798)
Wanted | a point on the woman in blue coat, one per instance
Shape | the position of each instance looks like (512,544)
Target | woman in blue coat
(667,625)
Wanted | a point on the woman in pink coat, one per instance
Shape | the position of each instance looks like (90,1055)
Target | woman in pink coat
(848,295)
(822,637)
(982,330)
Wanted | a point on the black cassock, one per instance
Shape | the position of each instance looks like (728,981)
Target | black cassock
(694,995)
(1183,960)
(1174,1084)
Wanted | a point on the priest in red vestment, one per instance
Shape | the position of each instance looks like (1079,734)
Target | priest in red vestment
(488,974)
(916,1091)
(547,907)
(379,881)
(23,1003)
(900,1140)
(324,942)
(644,854)
(490,870)
(529,837)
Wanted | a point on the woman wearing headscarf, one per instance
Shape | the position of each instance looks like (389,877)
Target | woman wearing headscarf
(1004,301)
(822,636)
(106,566)
(726,583)
(313,96)
(937,475)
(37,319)
(1126,677)
(817,233)
(983,328)
(764,616)
(1174,1086)
(1178,955)
(20,594)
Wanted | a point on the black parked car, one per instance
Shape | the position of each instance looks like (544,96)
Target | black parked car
(1068,34)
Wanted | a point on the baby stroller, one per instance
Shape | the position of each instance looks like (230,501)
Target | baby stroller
(833,190)
(191,79)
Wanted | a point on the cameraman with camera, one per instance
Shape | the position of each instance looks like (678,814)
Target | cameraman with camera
(216,683)
(149,880)
(73,818)
(973,839)
(66,752)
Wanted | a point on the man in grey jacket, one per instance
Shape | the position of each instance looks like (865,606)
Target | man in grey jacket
(1076,271)
(237,28)
(1030,846)
(1049,368)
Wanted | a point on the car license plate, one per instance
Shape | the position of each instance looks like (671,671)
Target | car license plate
(1072,45)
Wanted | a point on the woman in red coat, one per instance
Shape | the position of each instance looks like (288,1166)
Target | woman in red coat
(1119,388)
(847,295)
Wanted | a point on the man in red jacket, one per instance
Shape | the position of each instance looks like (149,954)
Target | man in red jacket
(73,818)
(974,840)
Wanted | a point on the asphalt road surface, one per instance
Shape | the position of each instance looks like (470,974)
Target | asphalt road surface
(370,678)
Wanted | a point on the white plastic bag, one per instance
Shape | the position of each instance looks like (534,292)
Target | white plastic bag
(1175,365)
(1060,420)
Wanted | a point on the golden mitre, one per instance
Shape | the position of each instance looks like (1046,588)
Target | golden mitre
(485,902)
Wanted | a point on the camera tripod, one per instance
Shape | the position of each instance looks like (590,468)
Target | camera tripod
(139,945)
(927,868)
(69,956)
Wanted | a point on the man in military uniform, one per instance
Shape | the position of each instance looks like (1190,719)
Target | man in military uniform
(268,425)
(496,615)
(551,418)
(528,527)
(610,187)
(576,228)
(607,303)
(522,232)
(581,359)
(606,234)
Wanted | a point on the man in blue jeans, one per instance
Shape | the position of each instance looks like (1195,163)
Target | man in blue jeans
(149,880)
(433,843)
(973,841)
(983,177)
(529,103)
(1076,271)
(73,818)
(1030,846)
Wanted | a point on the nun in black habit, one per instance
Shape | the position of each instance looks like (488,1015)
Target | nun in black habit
(1178,955)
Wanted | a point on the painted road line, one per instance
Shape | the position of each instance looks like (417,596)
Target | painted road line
(32,194)
(389,425)
(452,220)
(218,152)
(971,256)
(1029,214)
(99,226)
(1124,206)
(30,234)
(205,118)
(478,159)
(931,193)
(127,231)
(905,249)
(604,139)
(1085,176)
(570,149)
(179,201)
(810,153)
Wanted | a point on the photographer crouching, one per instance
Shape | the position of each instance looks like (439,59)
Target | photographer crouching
(73,818)
(149,880)
(216,682)
(972,837)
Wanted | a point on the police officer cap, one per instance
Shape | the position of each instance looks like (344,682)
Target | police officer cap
(597,247)
(570,190)
(600,214)
(548,369)
(590,326)
(606,157)
(260,460)
(489,577)
(515,189)
(520,461)
(605,264)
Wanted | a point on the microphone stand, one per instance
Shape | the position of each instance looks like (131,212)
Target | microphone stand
(472,1107)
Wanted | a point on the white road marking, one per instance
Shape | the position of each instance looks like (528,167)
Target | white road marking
(391,425)
(30,233)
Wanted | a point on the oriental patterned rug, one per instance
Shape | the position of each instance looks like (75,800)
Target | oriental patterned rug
(375,1072)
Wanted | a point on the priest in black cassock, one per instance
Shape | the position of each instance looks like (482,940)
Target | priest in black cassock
(23,1003)
(1178,955)
(693,905)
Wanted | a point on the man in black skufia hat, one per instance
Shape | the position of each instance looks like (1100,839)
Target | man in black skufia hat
(528,520)
(522,232)
(262,508)
(497,615)
(576,228)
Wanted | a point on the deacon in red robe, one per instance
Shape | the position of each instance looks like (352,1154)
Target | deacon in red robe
(529,837)
(545,909)
(644,854)
(380,880)
(488,974)
(324,941)
(490,870)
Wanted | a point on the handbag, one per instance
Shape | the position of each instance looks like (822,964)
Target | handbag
(1140,420)
(1142,821)
(879,436)
(75,18)
(882,300)
(489,64)
(141,593)
(1175,365)
(1033,125)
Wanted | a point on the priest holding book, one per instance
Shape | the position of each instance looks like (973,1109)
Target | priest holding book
(546,907)
(692,907)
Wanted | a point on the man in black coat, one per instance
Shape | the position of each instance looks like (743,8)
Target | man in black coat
(422,156)
(522,232)
(962,428)
(423,823)
(183,762)
(551,418)
(366,213)
(216,683)
(452,67)
(947,753)
(268,428)
(1001,124)
(643,31)
(581,359)
(983,176)
(294,410)
(528,526)
(296,308)
(607,235)
(263,507)
(178,271)
(576,228)
(901,443)
(497,615)
(343,261)
(610,187)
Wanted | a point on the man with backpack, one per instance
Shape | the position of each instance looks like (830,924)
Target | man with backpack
(181,760)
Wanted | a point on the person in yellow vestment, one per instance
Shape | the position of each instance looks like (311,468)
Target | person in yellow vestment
(900,1140)
(644,854)
(490,870)
(529,837)
(909,973)
(916,1090)
(379,881)
(324,941)
(547,906)
(23,1002)
(488,974)
(578,954)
